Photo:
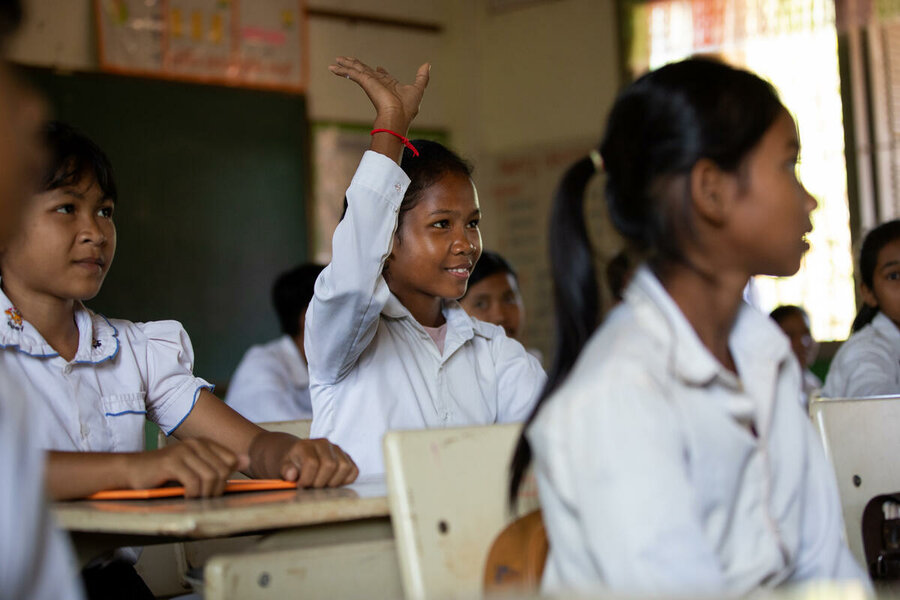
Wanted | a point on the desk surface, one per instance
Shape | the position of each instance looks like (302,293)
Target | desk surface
(228,515)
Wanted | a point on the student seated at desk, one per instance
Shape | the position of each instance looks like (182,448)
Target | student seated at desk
(36,561)
(389,347)
(868,364)
(493,294)
(794,322)
(91,380)
(671,453)
(271,383)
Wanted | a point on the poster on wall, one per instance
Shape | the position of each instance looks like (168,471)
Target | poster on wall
(243,43)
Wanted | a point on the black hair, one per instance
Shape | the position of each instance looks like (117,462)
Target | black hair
(73,156)
(875,240)
(780,313)
(433,162)
(10,18)
(619,270)
(292,293)
(489,264)
(659,128)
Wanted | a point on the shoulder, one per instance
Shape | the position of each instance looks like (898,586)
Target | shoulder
(150,331)
(873,340)
(620,371)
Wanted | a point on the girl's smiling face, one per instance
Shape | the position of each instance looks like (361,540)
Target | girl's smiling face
(885,291)
(435,247)
(65,244)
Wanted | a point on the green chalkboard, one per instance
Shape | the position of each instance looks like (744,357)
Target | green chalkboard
(212,187)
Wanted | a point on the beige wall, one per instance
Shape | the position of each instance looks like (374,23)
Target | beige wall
(543,73)
(520,82)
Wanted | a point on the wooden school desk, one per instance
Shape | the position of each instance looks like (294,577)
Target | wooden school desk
(308,538)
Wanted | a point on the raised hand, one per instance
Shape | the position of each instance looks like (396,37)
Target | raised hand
(396,104)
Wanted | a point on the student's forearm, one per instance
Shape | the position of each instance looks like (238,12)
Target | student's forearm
(79,474)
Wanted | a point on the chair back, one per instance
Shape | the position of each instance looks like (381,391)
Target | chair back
(860,436)
(447,489)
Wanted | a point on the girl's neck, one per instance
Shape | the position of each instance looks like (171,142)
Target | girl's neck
(424,309)
(53,317)
(710,303)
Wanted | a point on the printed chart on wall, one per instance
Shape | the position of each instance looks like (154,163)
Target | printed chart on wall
(520,187)
(232,42)
(338,148)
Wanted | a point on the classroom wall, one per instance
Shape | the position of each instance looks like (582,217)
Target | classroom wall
(526,79)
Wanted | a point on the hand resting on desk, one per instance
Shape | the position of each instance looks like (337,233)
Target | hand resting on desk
(201,465)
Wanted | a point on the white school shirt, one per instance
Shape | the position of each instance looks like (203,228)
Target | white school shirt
(373,367)
(271,383)
(867,364)
(650,479)
(36,559)
(121,373)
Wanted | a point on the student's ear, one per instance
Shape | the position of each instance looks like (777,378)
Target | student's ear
(710,191)
(868,296)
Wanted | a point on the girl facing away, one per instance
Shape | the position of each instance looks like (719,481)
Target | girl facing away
(387,343)
(868,364)
(671,453)
(92,380)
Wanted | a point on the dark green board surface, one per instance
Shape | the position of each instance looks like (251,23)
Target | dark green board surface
(212,186)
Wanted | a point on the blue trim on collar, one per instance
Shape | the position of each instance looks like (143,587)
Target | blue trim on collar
(27,353)
(209,387)
(115,336)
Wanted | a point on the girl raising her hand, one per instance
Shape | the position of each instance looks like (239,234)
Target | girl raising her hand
(671,451)
(387,343)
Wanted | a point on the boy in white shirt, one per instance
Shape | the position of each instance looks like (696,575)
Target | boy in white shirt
(271,383)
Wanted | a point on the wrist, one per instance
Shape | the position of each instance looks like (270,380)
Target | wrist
(395,121)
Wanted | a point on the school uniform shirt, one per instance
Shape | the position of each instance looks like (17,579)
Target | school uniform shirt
(271,383)
(36,559)
(651,479)
(122,372)
(373,367)
(867,364)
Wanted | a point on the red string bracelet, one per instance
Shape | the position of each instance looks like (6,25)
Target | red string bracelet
(403,139)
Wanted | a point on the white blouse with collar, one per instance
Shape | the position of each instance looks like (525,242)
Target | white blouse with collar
(121,373)
(373,367)
(867,364)
(650,476)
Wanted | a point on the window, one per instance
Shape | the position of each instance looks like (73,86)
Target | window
(793,44)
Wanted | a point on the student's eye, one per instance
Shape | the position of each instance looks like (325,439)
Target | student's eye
(66,209)
(106,212)
(893,276)
(509,298)
(442,224)
(473,224)
(481,305)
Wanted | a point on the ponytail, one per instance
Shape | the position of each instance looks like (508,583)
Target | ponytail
(575,293)
(863,317)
